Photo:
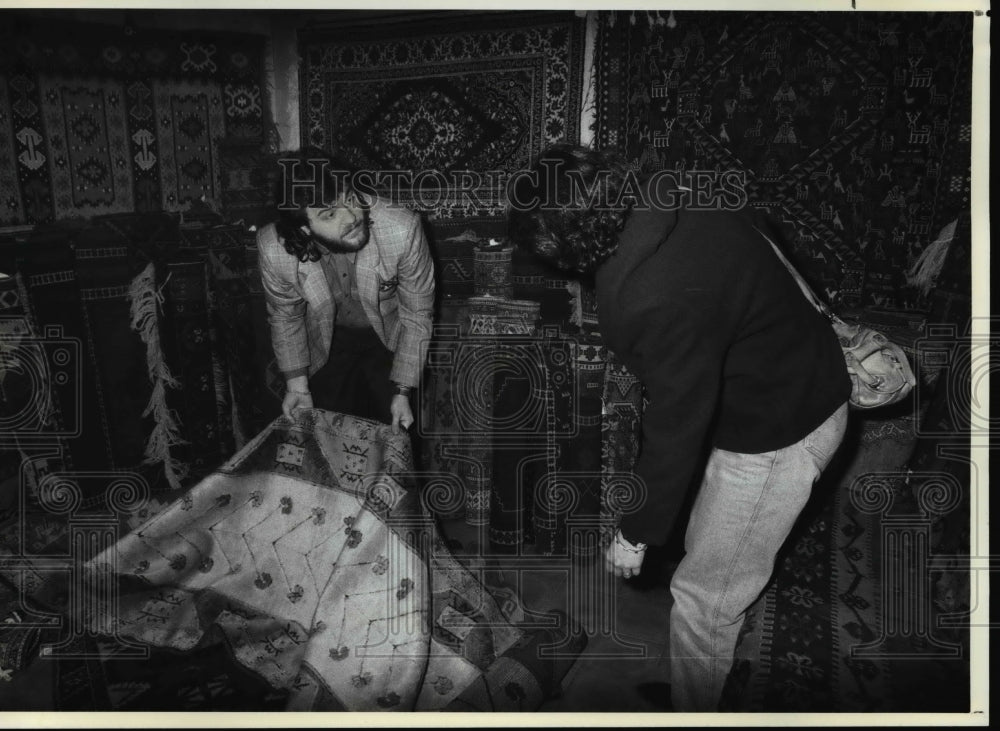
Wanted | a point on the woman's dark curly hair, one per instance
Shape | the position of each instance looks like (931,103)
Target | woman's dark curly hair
(567,208)
(330,177)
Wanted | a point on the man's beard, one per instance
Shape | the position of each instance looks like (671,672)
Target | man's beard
(339,245)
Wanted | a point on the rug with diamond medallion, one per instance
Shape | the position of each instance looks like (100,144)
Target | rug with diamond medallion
(473,91)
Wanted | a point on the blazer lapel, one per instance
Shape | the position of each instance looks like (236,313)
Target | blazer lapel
(314,285)
(369,257)
(366,271)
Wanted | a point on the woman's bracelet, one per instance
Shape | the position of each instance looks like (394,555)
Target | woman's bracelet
(300,393)
(620,540)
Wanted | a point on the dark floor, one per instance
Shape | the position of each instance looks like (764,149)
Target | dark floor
(625,665)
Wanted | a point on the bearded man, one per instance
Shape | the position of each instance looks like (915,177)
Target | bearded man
(349,284)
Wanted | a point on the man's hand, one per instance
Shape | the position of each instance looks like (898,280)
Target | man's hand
(622,559)
(402,415)
(295,400)
(297,395)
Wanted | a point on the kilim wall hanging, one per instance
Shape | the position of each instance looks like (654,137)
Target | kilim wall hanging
(479,92)
(852,128)
(100,119)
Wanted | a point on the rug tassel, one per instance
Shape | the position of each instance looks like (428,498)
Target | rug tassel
(573,287)
(145,303)
(927,268)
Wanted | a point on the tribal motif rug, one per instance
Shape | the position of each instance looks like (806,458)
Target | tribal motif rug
(106,261)
(477,92)
(516,400)
(188,335)
(499,388)
(531,422)
(249,181)
(493,266)
(307,570)
(191,117)
(853,129)
(86,127)
(74,386)
(88,356)
(794,651)
(112,119)
(866,608)
(572,488)
(621,435)
(18,404)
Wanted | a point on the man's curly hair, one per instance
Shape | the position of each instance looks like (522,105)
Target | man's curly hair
(567,210)
(330,178)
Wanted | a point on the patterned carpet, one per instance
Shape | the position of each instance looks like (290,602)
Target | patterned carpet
(851,621)
(102,120)
(853,129)
(304,574)
(480,93)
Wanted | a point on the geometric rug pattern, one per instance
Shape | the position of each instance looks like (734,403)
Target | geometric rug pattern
(307,573)
(853,129)
(467,92)
(115,120)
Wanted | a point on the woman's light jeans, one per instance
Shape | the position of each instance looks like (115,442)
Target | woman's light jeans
(745,509)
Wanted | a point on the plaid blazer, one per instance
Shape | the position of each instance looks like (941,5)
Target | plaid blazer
(395,277)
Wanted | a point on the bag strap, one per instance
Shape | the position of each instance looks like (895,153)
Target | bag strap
(816,302)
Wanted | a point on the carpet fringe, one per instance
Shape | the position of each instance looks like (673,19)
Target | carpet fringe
(927,268)
(145,303)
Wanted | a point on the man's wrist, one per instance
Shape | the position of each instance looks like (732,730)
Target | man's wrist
(400,390)
(622,541)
